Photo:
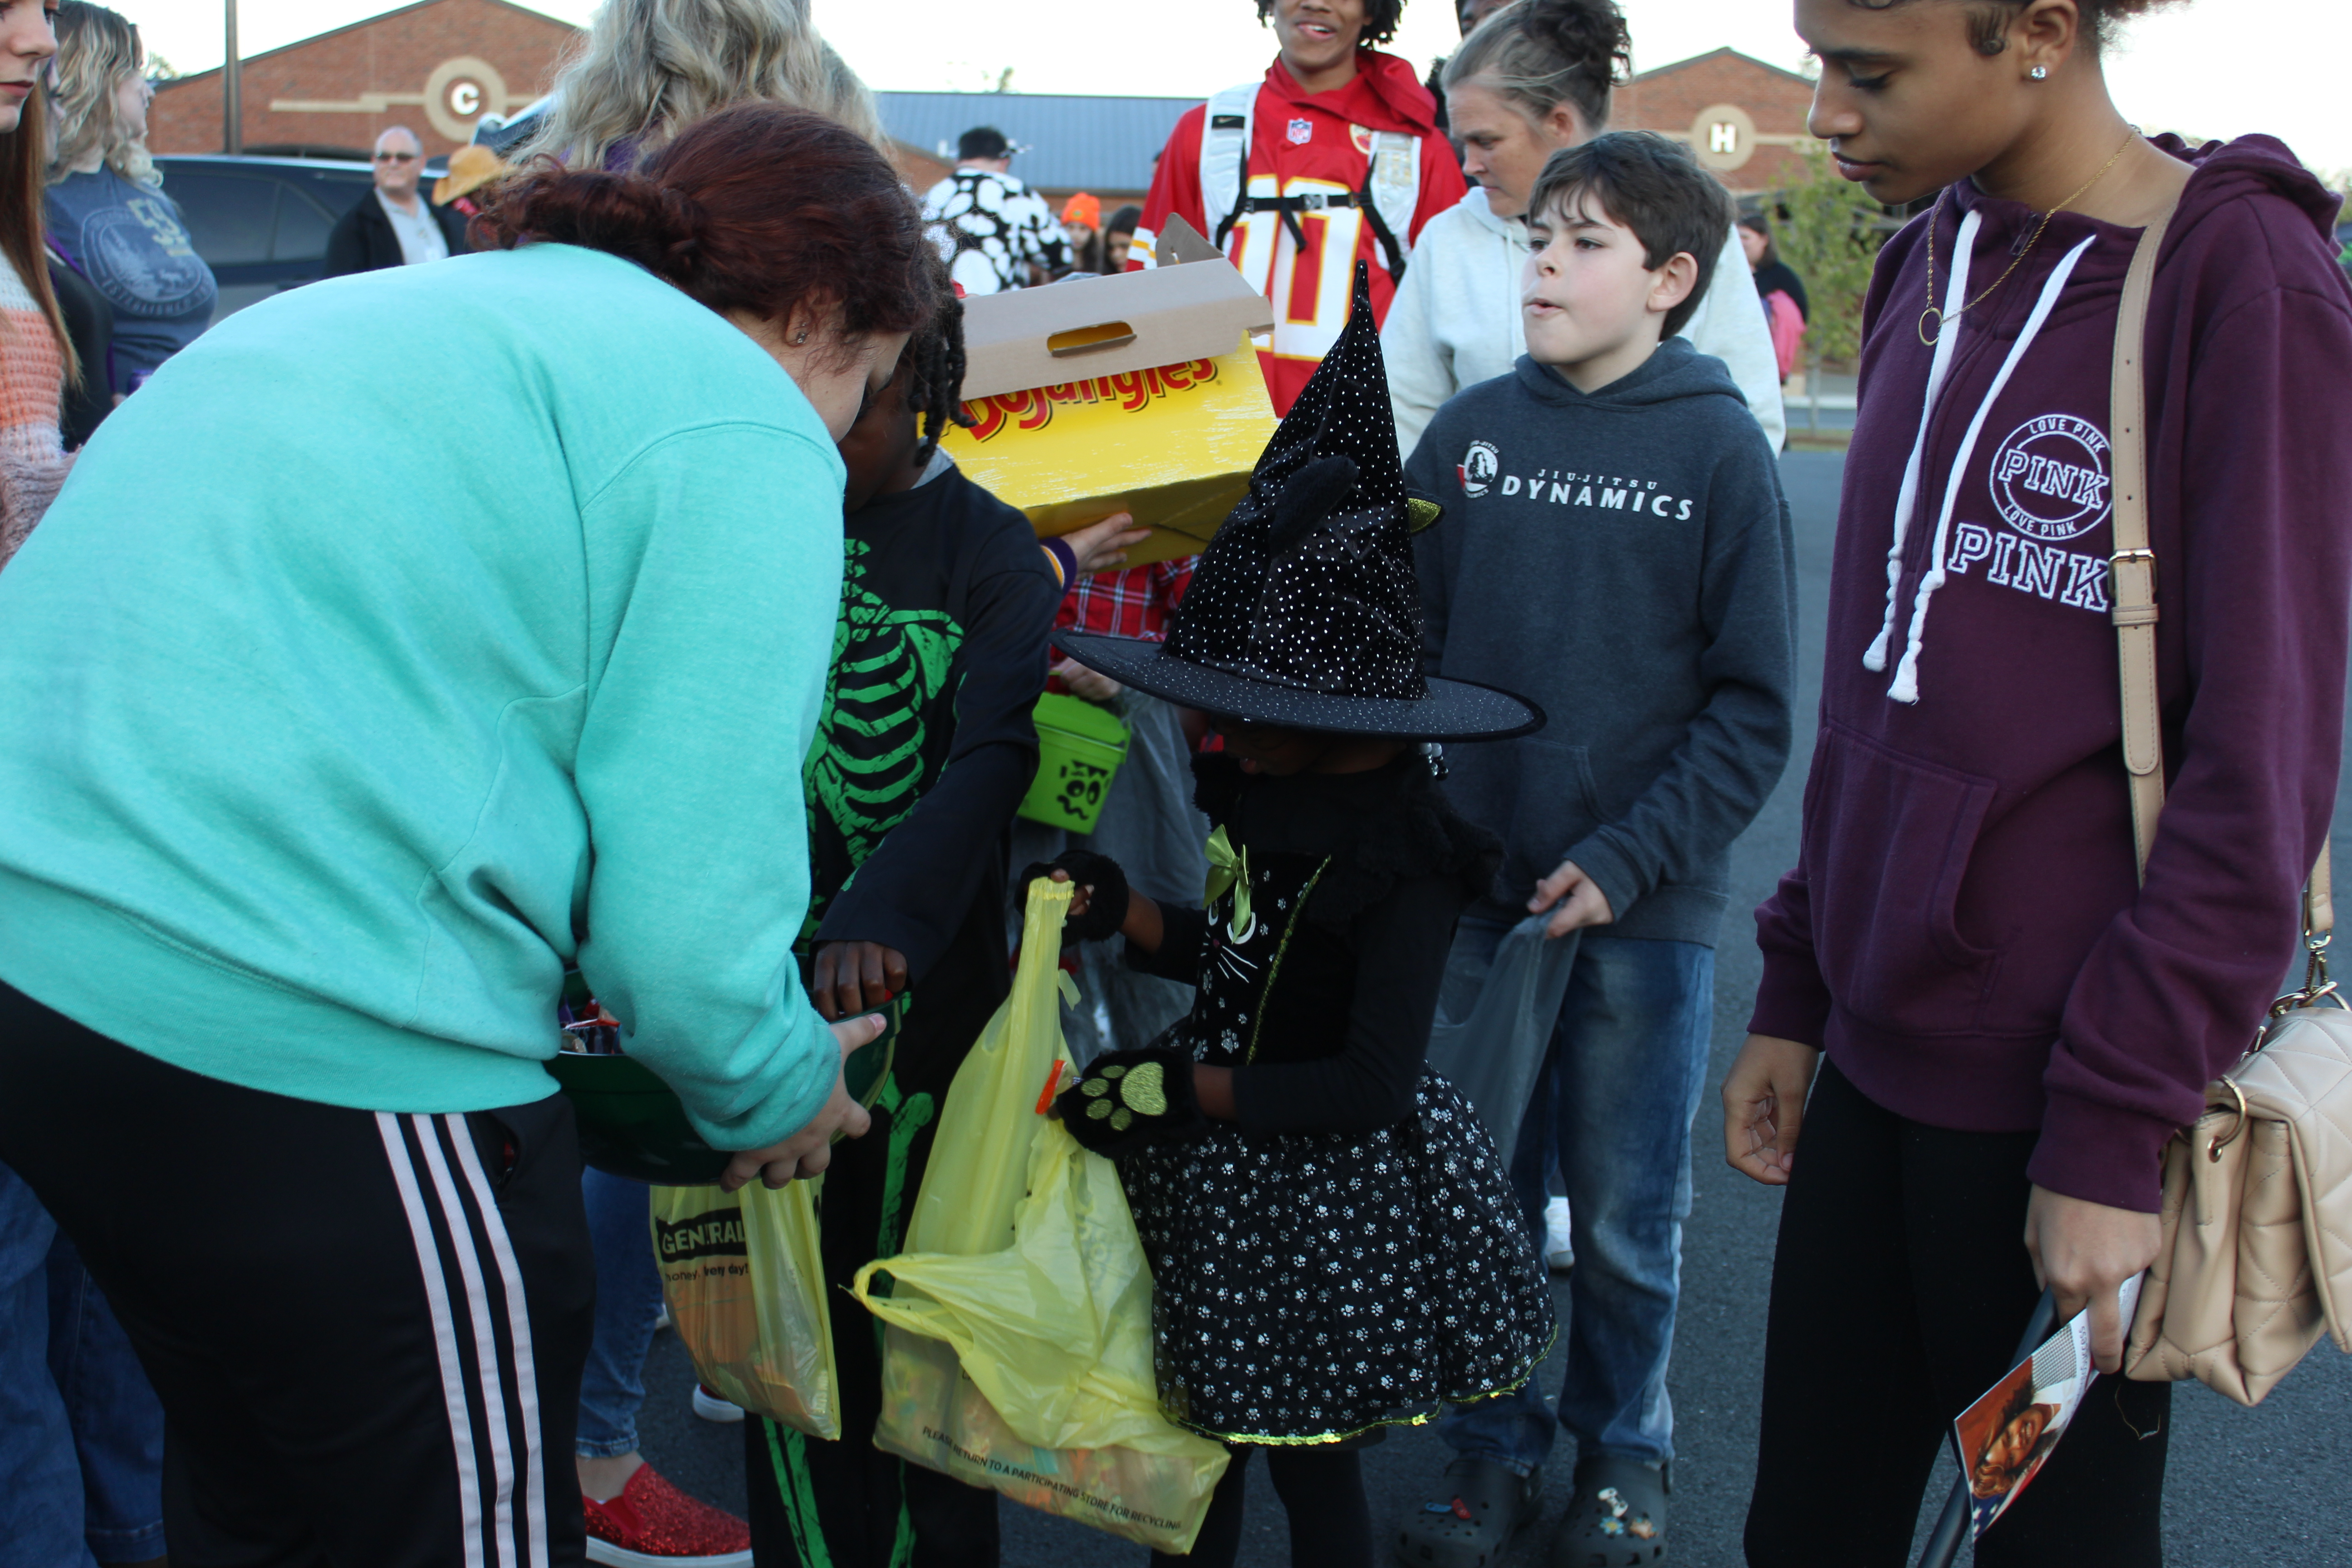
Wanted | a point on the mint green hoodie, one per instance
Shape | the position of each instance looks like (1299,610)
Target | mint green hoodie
(411,635)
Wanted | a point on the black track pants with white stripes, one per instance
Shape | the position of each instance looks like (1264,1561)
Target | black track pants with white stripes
(367,1329)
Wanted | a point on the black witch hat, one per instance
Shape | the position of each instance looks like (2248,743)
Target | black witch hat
(1304,611)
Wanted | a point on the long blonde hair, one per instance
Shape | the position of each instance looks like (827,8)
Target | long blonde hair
(649,67)
(97,48)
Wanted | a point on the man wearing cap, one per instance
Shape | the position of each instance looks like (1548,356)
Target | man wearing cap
(994,232)
(394,225)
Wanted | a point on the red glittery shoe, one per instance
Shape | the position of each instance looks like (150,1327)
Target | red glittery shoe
(652,1524)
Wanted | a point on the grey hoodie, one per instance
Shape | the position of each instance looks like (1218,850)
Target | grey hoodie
(1623,558)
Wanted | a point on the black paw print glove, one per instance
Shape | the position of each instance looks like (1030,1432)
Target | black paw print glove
(1127,1100)
(1106,905)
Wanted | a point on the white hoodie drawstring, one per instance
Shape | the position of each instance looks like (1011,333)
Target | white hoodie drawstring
(1956,294)
(1905,688)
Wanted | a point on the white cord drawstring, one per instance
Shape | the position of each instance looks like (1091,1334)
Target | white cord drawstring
(1905,688)
(1907,499)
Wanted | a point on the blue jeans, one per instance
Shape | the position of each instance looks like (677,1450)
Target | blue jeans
(81,1434)
(1613,1105)
(629,1304)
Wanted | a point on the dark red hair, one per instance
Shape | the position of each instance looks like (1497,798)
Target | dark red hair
(758,207)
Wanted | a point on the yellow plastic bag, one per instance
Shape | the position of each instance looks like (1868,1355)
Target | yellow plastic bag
(1018,1354)
(745,1284)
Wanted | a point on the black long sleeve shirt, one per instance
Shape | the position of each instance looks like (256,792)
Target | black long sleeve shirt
(1342,1025)
(926,742)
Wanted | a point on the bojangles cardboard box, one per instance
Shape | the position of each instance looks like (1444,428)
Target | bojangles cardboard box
(1137,393)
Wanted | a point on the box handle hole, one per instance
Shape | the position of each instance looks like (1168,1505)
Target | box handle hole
(1086,340)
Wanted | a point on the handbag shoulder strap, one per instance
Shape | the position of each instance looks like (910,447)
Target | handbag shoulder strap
(2131,578)
(2131,570)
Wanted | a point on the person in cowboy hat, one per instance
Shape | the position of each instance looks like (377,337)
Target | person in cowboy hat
(471,167)
(1287,1131)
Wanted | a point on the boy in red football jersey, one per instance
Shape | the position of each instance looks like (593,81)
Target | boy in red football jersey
(1335,155)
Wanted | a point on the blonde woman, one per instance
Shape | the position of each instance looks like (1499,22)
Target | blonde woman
(108,215)
(649,67)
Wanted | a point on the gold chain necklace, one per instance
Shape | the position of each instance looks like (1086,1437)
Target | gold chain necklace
(1935,318)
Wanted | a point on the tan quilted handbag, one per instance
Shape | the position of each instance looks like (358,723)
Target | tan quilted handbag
(2256,1258)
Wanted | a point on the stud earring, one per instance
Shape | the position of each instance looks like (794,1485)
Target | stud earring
(802,338)
(2039,73)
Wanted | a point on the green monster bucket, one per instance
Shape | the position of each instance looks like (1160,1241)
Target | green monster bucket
(1079,749)
(631,1123)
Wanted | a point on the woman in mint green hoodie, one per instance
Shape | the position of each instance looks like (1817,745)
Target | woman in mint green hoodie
(406,638)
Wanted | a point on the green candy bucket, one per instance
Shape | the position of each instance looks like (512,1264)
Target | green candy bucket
(631,1123)
(1079,750)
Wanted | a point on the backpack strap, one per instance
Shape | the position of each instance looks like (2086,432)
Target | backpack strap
(1224,158)
(1392,195)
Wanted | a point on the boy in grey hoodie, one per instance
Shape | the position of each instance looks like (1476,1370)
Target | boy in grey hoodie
(1616,546)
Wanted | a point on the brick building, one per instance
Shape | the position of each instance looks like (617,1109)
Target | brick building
(1745,118)
(436,67)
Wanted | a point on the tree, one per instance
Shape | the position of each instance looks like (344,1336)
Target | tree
(1831,233)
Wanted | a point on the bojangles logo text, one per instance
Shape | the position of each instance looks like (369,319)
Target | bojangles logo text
(1133,392)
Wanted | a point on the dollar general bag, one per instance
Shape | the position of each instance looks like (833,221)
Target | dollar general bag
(745,1285)
(1018,1352)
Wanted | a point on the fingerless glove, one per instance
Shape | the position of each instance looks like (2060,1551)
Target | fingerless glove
(1106,905)
(1127,1100)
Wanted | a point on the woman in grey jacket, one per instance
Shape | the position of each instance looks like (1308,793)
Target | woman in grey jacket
(1531,79)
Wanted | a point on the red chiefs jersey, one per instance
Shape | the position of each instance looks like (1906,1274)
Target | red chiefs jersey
(1302,143)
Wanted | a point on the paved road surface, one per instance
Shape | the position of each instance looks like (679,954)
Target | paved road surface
(2262,1486)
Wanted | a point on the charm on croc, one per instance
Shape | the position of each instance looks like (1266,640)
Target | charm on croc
(1126,1099)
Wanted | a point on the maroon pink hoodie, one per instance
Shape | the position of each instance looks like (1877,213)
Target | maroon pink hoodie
(1963,933)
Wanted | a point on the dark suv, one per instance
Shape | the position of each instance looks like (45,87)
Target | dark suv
(261,224)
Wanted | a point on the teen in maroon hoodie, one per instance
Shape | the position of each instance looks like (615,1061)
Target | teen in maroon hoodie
(2014,1028)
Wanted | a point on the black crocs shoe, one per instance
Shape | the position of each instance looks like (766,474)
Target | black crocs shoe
(1484,1505)
(1617,1517)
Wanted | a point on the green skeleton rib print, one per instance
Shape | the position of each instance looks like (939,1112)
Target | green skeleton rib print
(874,753)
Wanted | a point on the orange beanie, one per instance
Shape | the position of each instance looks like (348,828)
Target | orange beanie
(1083,208)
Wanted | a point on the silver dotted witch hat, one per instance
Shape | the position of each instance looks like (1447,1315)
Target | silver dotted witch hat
(1304,611)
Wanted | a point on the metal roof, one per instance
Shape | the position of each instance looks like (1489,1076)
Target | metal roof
(1076,143)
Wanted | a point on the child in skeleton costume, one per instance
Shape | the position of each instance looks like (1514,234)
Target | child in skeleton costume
(924,748)
(1334,1246)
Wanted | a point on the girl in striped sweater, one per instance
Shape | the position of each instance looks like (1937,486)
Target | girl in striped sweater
(36,358)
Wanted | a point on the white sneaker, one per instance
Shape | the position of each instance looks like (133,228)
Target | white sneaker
(1559,1251)
(710,1407)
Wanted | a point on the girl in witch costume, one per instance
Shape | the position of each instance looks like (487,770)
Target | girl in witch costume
(1333,1243)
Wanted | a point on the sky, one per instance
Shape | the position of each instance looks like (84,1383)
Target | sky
(2199,68)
